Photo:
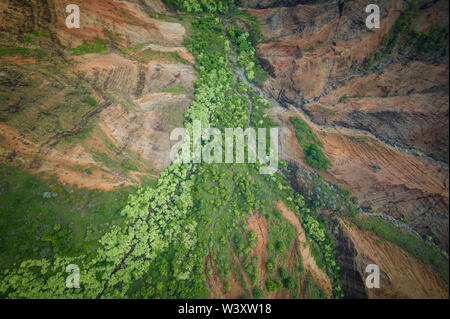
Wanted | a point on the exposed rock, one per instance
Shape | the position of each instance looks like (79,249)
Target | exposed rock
(393,116)
(406,104)
(131,108)
(401,275)
(311,47)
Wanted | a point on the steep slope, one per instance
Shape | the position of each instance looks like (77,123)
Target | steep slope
(95,107)
(101,99)
(402,275)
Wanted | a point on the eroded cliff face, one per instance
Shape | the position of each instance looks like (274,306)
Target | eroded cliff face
(316,52)
(97,117)
(102,119)
(401,275)
(391,116)
(384,127)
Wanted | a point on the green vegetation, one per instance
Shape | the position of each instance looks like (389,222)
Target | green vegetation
(154,243)
(40,33)
(429,42)
(24,52)
(310,49)
(166,261)
(357,138)
(321,195)
(401,26)
(247,56)
(281,235)
(61,219)
(196,6)
(99,46)
(253,24)
(178,90)
(273,284)
(304,133)
(326,111)
(318,233)
(113,37)
(432,41)
(312,290)
(29,51)
(259,117)
(343,98)
(315,157)
(358,95)
(14,51)
(270,265)
(137,47)
(195,211)
(91,101)
(436,88)
(310,144)
(258,293)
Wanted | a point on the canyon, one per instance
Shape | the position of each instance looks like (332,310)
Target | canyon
(102,120)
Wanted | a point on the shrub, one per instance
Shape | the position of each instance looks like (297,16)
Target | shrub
(91,101)
(258,293)
(283,273)
(279,246)
(315,157)
(277,213)
(273,284)
(310,144)
(270,265)
(432,41)
(99,46)
(198,6)
(289,283)
(312,290)
(254,26)
(247,56)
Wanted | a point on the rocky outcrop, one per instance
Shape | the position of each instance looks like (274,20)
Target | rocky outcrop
(406,186)
(352,272)
(405,104)
(401,275)
(312,48)
(393,117)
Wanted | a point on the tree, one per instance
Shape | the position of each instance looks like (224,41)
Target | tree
(270,265)
(258,293)
(273,284)
(279,246)
(289,283)
(283,273)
